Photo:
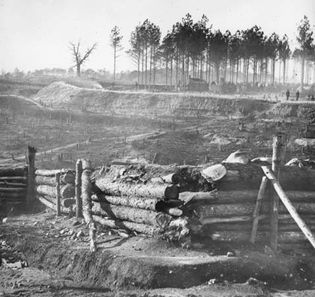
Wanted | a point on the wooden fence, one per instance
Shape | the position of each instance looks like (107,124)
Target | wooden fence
(174,201)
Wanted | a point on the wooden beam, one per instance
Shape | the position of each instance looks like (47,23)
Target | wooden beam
(277,156)
(260,197)
(287,203)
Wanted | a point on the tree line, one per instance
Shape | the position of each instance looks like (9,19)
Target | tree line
(197,50)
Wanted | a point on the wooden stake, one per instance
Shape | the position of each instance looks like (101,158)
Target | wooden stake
(277,156)
(78,184)
(58,196)
(86,192)
(30,159)
(287,203)
(260,197)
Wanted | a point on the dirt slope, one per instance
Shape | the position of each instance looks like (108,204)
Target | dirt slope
(60,94)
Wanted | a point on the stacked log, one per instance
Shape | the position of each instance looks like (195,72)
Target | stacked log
(136,199)
(13,187)
(224,214)
(46,188)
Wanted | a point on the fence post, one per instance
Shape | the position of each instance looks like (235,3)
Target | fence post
(78,184)
(58,198)
(277,157)
(87,202)
(30,160)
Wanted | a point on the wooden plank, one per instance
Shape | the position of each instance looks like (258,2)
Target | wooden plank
(291,209)
(260,197)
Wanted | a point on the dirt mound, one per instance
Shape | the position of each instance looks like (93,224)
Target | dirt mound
(299,110)
(145,104)
(57,94)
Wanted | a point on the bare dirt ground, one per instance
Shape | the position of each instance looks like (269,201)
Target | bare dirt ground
(43,255)
(191,136)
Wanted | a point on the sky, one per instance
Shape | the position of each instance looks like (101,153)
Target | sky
(35,34)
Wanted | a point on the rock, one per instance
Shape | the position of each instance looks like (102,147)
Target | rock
(237,157)
(4,220)
(230,254)
(212,281)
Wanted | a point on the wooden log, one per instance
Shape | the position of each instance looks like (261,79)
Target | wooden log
(205,197)
(46,190)
(45,180)
(148,190)
(277,157)
(245,226)
(78,185)
(86,192)
(284,219)
(68,177)
(14,195)
(130,226)
(69,202)
(289,206)
(12,184)
(260,197)
(238,196)
(244,209)
(244,236)
(47,202)
(240,177)
(136,202)
(125,213)
(58,195)
(30,157)
(12,190)
(13,172)
(215,220)
(47,172)
(66,191)
(21,179)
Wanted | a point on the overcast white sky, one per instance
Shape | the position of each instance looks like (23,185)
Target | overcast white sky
(35,34)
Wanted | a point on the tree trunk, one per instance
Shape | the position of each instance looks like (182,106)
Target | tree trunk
(148,190)
(66,191)
(114,63)
(166,70)
(78,66)
(171,78)
(302,72)
(284,70)
(125,213)
(273,70)
(130,226)
(66,178)
(135,202)
(53,172)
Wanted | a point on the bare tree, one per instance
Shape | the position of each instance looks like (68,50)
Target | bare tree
(78,57)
